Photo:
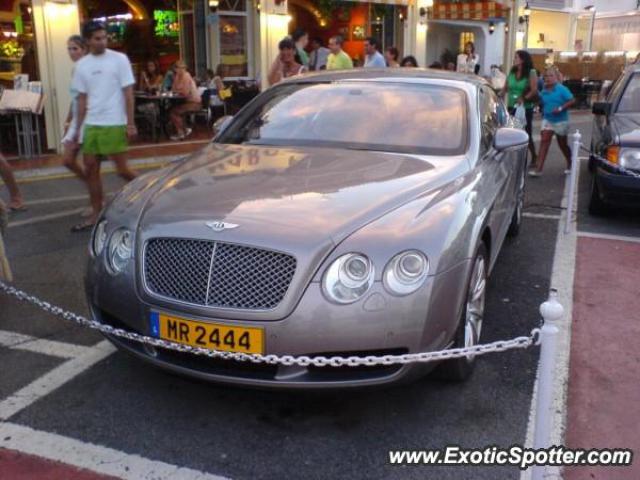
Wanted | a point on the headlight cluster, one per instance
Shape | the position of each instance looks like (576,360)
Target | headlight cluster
(119,246)
(630,158)
(350,276)
(406,272)
(99,238)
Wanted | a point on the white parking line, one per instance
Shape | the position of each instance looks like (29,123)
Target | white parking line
(53,380)
(606,236)
(544,216)
(46,201)
(17,341)
(93,457)
(562,278)
(72,198)
(46,218)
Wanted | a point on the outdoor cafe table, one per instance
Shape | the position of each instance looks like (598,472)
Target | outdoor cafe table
(165,102)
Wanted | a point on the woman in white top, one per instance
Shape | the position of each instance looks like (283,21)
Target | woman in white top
(77,48)
(468,60)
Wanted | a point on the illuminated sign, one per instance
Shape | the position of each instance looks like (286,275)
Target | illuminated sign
(166,23)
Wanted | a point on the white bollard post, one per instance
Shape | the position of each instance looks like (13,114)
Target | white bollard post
(551,311)
(573,176)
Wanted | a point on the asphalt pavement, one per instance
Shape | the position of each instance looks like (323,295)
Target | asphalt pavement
(128,406)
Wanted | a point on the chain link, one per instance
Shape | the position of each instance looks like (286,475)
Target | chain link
(302,361)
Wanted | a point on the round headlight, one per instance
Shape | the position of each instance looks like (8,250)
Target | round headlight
(630,159)
(348,278)
(405,273)
(120,249)
(99,238)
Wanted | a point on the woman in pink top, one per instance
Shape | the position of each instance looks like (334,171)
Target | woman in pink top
(184,84)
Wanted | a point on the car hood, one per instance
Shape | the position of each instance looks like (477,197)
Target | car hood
(280,196)
(627,128)
(300,201)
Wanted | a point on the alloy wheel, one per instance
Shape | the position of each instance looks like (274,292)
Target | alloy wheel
(475,304)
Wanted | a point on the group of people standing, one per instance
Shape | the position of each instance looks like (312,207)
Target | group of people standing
(293,58)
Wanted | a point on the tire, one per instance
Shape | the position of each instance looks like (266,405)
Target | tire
(516,219)
(596,206)
(460,369)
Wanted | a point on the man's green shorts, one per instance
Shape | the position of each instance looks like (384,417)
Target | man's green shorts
(104,140)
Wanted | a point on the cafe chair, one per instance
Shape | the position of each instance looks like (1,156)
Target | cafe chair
(147,119)
(204,112)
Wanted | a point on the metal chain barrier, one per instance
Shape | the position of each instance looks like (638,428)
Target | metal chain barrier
(303,360)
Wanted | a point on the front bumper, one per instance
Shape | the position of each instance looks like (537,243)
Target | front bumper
(616,188)
(379,324)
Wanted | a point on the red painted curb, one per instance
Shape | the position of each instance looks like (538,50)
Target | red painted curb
(604,372)
(20,466)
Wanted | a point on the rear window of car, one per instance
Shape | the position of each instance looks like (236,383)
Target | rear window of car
(630,99)
(381,116)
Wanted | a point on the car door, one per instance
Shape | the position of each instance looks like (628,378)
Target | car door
(501,168)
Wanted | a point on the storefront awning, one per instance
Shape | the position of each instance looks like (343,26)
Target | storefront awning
(467,11)
(387,2)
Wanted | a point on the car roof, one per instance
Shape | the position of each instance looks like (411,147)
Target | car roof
(383,74)
(633,68)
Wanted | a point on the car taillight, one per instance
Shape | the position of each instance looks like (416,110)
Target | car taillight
(613,153)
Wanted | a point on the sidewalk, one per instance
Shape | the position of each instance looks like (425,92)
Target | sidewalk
(143,156)
(20,466)
(604,387)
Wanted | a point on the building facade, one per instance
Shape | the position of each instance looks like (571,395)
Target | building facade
(238,36)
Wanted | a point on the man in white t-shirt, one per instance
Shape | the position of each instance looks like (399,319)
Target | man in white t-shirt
(104,80)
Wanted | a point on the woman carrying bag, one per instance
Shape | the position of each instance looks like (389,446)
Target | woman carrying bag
(521,89)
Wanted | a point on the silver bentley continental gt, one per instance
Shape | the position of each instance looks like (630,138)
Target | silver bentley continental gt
(348,213)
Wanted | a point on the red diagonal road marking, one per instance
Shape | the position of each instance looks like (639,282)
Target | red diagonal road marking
(19,466)
(604,386)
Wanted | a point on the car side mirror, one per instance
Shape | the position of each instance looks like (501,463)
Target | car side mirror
(221,124)
(510,138)
(601,108)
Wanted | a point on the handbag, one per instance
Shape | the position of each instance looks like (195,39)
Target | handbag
(520,116)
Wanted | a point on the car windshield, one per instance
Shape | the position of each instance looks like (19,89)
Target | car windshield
(630,100)
(390,117)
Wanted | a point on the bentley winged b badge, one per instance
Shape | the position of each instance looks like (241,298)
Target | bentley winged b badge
(218,226)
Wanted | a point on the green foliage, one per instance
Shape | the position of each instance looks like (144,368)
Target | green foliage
(11,49)
(329,8)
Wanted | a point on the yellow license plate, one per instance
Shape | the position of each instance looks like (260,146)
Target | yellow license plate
(213,336)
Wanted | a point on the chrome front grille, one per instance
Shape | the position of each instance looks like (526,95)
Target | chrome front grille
(217,274)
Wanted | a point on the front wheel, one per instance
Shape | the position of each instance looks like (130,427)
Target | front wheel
(470,325)
(516,219)
(596,206)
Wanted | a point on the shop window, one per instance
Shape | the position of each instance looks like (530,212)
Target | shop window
(193,49)
(234,40)
(18,47)
(233,6)
(464,38)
